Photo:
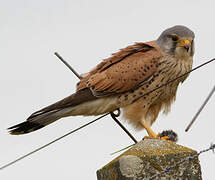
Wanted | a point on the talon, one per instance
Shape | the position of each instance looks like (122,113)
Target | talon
(157,137)
(164,138)
(168,135)
(147,137)
(153,137)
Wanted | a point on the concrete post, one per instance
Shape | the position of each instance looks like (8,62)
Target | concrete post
(149,157)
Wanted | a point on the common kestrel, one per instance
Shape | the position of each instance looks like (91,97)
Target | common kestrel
(122,80)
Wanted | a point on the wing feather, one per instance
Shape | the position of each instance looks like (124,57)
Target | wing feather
(117,74)
(125,70)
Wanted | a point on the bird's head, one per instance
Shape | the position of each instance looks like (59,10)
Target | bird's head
(177,41)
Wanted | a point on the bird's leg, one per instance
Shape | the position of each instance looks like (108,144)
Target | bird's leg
(148,129)
(151,133)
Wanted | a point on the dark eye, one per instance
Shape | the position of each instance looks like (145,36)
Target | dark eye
(174,38)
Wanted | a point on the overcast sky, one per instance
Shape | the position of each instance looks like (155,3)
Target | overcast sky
(85,32)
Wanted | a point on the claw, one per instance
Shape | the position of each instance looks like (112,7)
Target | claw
(164,138)
(157,137)
(165,135)
(168,135)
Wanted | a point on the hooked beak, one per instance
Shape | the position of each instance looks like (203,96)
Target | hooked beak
(185,44)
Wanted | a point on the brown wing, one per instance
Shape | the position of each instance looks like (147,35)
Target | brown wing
(124,71)
(121,72)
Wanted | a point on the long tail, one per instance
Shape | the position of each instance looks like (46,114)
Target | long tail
(52,113)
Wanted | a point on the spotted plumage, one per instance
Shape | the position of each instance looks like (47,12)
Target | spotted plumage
(124,81)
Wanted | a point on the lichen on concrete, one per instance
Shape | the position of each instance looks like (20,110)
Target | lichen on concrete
(130,166)
(149,157)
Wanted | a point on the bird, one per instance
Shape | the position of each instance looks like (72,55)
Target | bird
(123,81)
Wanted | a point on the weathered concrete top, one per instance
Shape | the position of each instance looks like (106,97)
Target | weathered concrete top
(149,157)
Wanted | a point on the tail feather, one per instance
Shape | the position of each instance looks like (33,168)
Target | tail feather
(24,127)
(52,113)
(34,123)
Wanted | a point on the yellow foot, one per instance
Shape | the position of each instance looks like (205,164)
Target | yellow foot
(164,138)
(157,137)
(165,135)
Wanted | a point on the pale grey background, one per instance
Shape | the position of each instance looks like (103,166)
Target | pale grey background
(84,32)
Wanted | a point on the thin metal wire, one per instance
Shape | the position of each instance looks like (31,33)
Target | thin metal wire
(67,64)
(169,168)
(120,124)
(200,109)
(170,81)
(113,115)
(42,147)
(22,157)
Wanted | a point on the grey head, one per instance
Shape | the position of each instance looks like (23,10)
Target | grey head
(177,41)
